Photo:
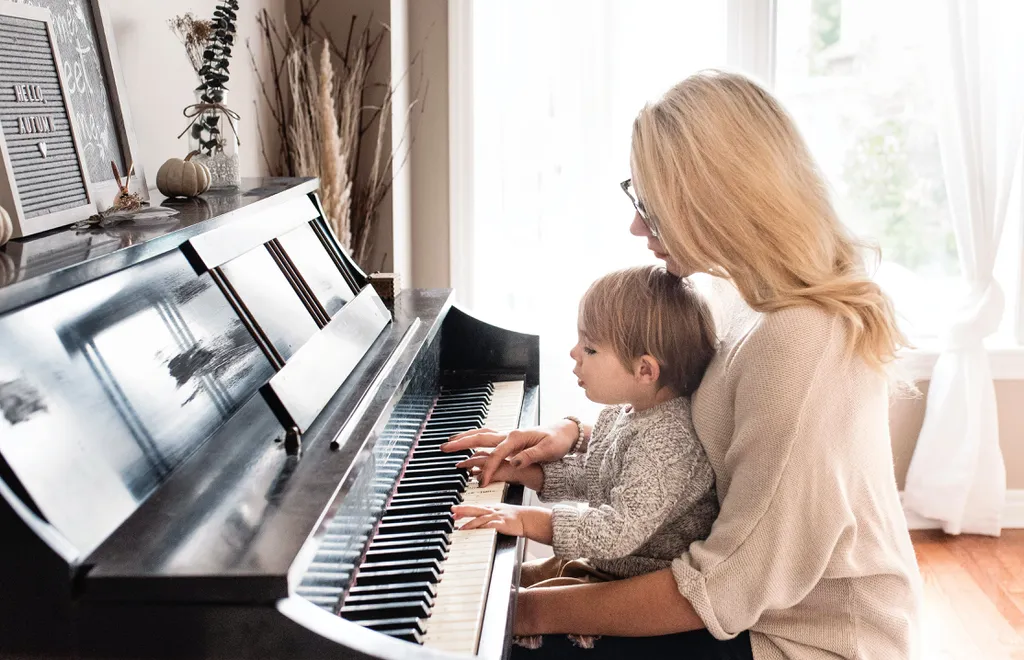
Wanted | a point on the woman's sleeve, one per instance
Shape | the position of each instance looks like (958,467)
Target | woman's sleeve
(799,408)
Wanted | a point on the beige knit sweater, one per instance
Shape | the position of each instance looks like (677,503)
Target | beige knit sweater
(810,551)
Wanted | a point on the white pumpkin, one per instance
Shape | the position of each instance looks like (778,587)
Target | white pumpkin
(183,178)
(6,226)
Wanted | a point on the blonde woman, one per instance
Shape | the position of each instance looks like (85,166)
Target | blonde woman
(810,556)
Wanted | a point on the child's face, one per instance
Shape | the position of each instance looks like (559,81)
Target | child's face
(601,374)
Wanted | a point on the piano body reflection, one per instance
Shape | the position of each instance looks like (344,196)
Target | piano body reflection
(217,442)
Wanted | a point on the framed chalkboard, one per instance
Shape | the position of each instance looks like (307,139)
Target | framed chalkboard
(92,75)
(45,182)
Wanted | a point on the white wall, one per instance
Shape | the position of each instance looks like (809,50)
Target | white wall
(159,79)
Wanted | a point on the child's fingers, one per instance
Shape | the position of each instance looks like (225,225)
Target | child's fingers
(498,524)
(467,510)
(481,521)
(473,439)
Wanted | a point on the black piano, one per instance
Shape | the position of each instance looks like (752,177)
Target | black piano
(216,441)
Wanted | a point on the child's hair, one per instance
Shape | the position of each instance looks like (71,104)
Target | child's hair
(649,311)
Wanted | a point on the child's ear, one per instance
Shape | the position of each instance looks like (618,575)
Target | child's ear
(648,370)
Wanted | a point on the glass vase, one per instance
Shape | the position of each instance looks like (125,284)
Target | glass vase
(214,135)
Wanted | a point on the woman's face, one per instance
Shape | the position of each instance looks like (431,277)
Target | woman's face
(639,228)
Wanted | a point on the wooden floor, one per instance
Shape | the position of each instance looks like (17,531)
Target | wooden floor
(974,595)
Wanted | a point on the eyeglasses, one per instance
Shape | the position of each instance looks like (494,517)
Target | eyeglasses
(652,226)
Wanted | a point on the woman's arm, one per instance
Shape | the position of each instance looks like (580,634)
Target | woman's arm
(643,606)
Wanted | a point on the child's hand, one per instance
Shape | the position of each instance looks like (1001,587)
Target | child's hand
(532,522)
(531,476)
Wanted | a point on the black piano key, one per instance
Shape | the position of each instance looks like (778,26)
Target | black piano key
(475,420)
(406,553)
(407,634)
(392,518)
(415,609)
(470,408)
(447,463)
(416,536)
(421,586)
(426,499)
(435,452)
(446,491)
(426,507)
(467,408)
(395,624)
(451,476)
(439,542)
(445,525)
(431,485)
(487,388)
(411,565)
(398,576)
(392,597)
(453,396)
(443,432)
(420,468)
(428,472)
(439,458)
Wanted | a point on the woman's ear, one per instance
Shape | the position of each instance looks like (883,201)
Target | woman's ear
(648,371)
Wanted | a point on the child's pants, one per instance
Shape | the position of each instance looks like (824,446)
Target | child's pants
(555,572)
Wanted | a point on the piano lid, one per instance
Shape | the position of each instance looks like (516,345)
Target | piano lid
(37,267)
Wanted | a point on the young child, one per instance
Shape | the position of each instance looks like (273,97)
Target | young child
(645,339)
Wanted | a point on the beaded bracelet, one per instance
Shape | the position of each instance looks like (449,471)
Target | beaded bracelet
(579,436)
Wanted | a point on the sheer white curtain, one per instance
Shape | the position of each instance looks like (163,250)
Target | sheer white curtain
(957,474)
(555,88)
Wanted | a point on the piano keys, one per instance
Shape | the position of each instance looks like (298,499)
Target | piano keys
(216,442)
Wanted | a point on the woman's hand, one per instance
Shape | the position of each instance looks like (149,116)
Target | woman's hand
(533,522)
(523,447)
(531,476)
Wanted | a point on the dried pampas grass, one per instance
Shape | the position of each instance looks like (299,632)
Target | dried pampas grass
(321,130)
(334,181)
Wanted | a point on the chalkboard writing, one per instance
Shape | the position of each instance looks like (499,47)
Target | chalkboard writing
(84,79)
(35,121)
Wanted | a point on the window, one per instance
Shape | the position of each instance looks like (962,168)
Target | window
(859,89)
(556,85)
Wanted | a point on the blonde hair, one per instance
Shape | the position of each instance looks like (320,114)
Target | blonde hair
(734,191)
(649,311)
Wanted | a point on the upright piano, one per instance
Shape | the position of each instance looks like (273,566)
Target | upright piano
(216,441)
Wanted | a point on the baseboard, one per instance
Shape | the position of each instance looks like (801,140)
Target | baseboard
(1013,514)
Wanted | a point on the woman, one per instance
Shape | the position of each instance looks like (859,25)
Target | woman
(810,556)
